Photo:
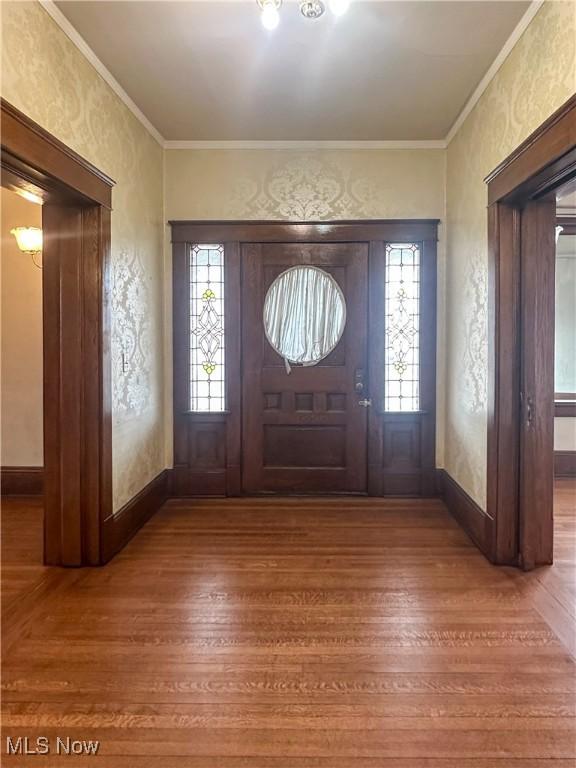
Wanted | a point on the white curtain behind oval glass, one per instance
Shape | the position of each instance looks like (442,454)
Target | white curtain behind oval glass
(304,314)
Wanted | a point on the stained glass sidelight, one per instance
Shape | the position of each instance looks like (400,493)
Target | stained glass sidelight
(207,358)
(402,328)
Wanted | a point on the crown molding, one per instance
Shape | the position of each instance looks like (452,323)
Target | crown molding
(517,33)
(56,14)
(306,145)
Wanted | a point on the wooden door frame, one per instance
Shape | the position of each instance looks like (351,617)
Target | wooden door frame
(76,327)
(194,474)
(542,163)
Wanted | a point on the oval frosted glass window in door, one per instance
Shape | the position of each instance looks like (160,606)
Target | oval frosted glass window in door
(304,314)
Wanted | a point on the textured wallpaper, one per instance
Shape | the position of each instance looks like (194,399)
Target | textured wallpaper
(309,186)
(304,186)
(45,76)
(538,77)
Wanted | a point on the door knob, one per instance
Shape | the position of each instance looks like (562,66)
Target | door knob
(366,403)
(359,381)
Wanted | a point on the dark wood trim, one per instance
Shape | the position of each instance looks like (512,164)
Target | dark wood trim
(76,329)
(564,463)
(21,481)
(428,343)
(42,159)
(120,527)
(520,174)
(536,486)
(503,381)
(543,162)
(376,322)
(477,524)
(564,408)
(390,230)
(233,291)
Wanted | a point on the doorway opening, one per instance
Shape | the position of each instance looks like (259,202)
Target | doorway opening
(74,386)
(522,222)
(22,447)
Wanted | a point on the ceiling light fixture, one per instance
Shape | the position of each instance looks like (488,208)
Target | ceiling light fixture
(310,9)
(270,16)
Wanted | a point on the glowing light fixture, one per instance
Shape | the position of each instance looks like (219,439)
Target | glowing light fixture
(270,17)
(310,9)
(29,240)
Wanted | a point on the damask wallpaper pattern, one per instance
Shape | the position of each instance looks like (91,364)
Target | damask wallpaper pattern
(537,77)
(304,186)
(45,76)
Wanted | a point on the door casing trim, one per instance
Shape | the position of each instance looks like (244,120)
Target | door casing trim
(542,163)
(195,474)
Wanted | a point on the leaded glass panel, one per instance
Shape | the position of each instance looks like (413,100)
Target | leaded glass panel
(207,342)
(402,328)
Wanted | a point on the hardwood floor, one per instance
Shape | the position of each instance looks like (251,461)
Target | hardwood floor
(297,634)
(21,547)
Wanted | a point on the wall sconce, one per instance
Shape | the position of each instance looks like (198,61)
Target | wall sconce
(29,240)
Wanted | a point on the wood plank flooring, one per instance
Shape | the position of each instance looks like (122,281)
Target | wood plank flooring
(295,634)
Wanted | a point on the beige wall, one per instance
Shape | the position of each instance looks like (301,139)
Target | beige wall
(537,77)
(307,186)
(45,76)
(21,378)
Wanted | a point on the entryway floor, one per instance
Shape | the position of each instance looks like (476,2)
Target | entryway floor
(302,633)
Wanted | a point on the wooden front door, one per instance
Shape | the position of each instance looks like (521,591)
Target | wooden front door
(304,431)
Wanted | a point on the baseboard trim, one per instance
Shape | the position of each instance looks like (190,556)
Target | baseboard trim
(476,523)
(564,463)
(22,481)
(119,528)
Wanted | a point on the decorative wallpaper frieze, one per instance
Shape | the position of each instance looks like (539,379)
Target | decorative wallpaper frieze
(306,187)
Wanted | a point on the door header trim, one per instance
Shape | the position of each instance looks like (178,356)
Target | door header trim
(390,230)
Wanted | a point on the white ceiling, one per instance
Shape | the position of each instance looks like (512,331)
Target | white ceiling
(209,71)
